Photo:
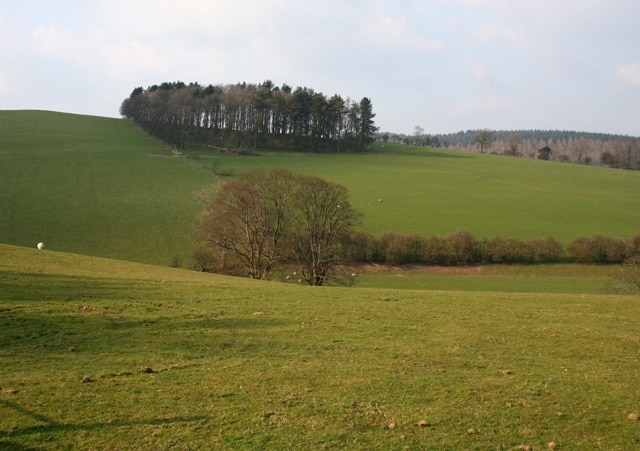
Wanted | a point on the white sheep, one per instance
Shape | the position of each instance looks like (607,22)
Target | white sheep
(40,246)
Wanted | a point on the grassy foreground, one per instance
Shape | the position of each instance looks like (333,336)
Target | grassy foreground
(183,360)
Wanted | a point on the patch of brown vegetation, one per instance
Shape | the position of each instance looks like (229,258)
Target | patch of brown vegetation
(399,270)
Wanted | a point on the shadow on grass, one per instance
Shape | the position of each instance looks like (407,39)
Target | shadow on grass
(27,332)
(52,426)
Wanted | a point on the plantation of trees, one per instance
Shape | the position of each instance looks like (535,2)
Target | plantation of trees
(247,116)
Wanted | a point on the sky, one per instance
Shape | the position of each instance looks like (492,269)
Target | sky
(443,65)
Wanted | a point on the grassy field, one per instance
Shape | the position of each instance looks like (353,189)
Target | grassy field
(175,359)
(102,353)
(99,186)
(556,278)
(436,191)
(94,186)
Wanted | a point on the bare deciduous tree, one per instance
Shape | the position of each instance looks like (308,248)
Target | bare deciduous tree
(484,140)
(514,142)
(248,218)
(418,135)
(263,217)
(323,220)
(579,149)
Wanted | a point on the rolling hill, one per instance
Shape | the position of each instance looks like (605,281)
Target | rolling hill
(107,354)
(100,186)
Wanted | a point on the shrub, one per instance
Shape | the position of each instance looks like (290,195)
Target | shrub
(463,247)
(545,250)
(580,250)
(597,249)
(205,259)
(437,251)
(364,247)
(632,246)
(402,249)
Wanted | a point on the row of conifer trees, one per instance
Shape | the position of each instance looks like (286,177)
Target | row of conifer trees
(247,116)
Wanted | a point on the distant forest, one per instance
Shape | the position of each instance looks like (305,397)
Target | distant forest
(619,151)
(243,117)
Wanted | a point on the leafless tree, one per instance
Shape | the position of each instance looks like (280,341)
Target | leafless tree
(579,149)
(418,135)
(323,221)
(248,218)
(483,139)
(513,144)
(263,218)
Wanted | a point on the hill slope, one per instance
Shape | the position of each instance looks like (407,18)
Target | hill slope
(100,186)
(174,358)
(429,191)
(88,185)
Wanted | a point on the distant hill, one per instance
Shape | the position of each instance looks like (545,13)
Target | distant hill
(619,151)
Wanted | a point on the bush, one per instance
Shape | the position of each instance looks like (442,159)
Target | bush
(464,247)
(365,248)
(580,250)
(545,250)
(597,249)
(437,251)
(402,249)
(205,259)
(632,246)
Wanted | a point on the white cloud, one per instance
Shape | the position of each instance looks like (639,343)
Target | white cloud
(429,52)
(4,83)
(476,69)
(628,74)
(394,33)
(490,103)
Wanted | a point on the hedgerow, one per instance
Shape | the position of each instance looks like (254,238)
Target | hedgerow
(462,248)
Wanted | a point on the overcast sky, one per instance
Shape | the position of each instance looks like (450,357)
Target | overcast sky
(446,65)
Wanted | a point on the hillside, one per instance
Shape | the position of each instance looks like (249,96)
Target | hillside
(99,186)
(94,186)
(231,363)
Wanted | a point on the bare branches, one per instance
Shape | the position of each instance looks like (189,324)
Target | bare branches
(263,218)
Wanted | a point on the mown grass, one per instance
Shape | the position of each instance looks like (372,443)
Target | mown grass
(184,360)
(87,185)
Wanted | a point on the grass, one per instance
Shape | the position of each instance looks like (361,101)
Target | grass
(88,185)
(179,359)
(436,191)
(556,278)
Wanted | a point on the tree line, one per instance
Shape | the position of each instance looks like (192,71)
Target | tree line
(263,219)
(617,151)
(463,248)
(247,116)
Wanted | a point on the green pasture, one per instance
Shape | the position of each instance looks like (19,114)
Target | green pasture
(100,186)
(555,278)
(434,191)
(94,186)
(175,359)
